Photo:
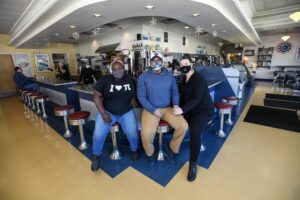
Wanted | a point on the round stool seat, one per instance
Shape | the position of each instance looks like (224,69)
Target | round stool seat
(41,98)
(232,100)
(78,118)
(63,110)
(35,94)
(221,105)
(163,127)
(115,127)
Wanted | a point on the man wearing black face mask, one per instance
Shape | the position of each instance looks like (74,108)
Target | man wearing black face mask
(197,108)
(114,96)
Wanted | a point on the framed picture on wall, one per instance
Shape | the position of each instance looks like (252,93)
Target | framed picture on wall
(249,53)
(42,63)
(23,61)
(298,54)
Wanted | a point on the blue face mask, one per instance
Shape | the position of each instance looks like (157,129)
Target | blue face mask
(118,74)
(156,65)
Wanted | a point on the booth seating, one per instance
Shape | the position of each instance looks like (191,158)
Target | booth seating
(41,99)
(79,119)
(64,111)
(232,101)
(163,127)
(224,108)
(115,154)
(32,100)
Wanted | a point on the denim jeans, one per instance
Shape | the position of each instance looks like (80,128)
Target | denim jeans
(34,87)
(128,124)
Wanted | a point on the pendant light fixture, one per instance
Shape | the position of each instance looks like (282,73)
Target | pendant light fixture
(285,37)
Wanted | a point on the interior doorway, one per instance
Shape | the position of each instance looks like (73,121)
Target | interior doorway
(7,84)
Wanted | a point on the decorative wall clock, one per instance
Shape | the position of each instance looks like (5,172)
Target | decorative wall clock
(284,47)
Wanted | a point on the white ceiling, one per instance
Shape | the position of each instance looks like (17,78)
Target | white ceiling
(265,5)
(114,10)
(10,11)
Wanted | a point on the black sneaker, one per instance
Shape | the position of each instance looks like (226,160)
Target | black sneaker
(151,159)
(170,154)
(134,155)
(95,163)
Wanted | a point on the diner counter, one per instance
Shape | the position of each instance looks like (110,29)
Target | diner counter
(55,82)
(88,88)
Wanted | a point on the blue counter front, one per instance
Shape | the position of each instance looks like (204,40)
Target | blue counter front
(58,92)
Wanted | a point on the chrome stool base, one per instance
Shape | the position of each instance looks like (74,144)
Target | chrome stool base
(221,133)
(203,148)
(83,146)
(116,155)
(68,134)
(161,155)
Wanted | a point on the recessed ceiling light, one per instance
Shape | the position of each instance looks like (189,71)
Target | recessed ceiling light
(186,27)
(45,39)
(98,28)
(149,7)
(295,16)
(72,26)
(224,31)
(56,34)
(213,25)
(195,14)
(97,15)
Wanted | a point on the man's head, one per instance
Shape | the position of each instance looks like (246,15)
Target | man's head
(156,62)
(18,69)
(117,68)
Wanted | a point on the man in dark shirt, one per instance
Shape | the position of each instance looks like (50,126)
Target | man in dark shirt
(87,75)
(24,82)
(114,96)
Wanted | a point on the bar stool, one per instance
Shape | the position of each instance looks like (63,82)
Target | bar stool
(79,119)
(26,95)
(115,154)
(22,94)
(224,108)
(232,101)
(163,127)
(64,111)
(32,99)
(41,99)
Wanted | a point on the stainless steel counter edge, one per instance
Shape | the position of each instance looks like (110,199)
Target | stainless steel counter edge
(56,84)
(80,90)
(210,86)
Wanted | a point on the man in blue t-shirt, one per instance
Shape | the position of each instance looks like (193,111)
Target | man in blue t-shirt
(24,82)
(158,93)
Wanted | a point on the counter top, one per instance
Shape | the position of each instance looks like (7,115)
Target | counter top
(88,88)
(55,82)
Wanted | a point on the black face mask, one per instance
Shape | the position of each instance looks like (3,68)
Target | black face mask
(185,69)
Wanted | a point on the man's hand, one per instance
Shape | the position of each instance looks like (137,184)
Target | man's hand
(158,113)
(106,118)
(177,111)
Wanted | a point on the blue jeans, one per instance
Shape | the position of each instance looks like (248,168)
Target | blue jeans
(34,87)
(128,124)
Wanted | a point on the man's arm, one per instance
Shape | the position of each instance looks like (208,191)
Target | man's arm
(98,99)
(142,95)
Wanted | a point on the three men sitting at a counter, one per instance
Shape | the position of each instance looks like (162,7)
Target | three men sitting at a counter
(24,82)
(157,91)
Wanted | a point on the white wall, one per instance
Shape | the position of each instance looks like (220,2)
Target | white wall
(278,59)
(127,37)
